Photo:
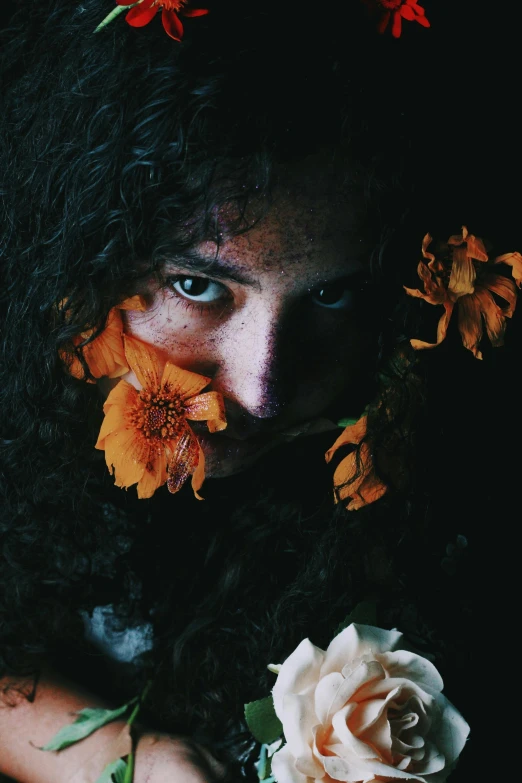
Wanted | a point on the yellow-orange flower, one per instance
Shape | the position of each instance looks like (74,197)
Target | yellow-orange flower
(105,355)
(145,434)
(356,479)
(458,280)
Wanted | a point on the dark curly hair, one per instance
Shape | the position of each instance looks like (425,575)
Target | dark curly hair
(118,148)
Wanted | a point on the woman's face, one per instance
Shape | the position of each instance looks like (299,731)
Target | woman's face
(270,318)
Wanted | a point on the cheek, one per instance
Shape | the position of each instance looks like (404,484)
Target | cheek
(165,326)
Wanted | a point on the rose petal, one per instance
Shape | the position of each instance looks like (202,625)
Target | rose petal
(365,672)
(356,641)
(451,731)
(283,767)
(299,721)
(350,742)
(300,670)
(410,666)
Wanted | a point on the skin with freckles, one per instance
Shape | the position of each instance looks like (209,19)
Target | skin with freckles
(271,315)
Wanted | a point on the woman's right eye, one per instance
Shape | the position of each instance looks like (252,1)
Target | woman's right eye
(199,290)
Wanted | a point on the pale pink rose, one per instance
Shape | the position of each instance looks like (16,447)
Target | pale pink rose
(364,711)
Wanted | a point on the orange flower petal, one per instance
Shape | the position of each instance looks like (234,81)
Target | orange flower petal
(494,318)
(183,458)
(185,383)
(366,488)
(463,273)
(442,328)
(514,260)
(426,242)
(198,477)
(476,248)
(129,454)
(104,355)
(474,245)
(144,362)
(119,400)
(207,407)
(504,288)
(353,434)
(155,475)
(136,302)
(470,323)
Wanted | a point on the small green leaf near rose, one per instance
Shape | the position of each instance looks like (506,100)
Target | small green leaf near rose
(262,720)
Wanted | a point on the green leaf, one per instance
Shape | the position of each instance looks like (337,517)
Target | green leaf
(129,772)
(88,721)
(347,422)
(114,772)
(364,613)
(262,720)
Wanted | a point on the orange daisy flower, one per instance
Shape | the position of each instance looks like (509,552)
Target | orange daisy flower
(145,434)
(366,488)
(458,280)
(395,11)
(105,355)
(143,11)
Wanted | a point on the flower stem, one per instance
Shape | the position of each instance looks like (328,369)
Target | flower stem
(113,14)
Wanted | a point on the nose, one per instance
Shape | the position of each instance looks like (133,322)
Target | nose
(250,372)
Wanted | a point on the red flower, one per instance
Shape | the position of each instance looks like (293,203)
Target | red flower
(143,11)
(396,11)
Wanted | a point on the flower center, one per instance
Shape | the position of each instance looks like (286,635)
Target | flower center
(171,5)
(158,415)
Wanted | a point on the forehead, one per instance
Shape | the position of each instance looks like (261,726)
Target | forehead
(313,226)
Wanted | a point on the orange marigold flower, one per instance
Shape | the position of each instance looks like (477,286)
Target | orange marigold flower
(458,280)
(356,478)
(143,11)
(145,434)
(395,11)
(105,355)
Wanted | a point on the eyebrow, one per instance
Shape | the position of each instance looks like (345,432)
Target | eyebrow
(217,268)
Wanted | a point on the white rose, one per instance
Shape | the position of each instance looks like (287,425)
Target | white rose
(364,710)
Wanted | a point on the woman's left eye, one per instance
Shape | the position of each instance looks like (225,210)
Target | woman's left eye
(198,289)
(334,296)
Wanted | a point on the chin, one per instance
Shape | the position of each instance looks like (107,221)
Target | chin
(225,457)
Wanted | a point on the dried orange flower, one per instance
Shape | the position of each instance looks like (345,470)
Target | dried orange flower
(461,278)
(353,478)
(143,11)
(105,356)
(145,434)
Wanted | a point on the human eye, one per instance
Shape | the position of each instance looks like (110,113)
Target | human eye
(198,291)
(337,295)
